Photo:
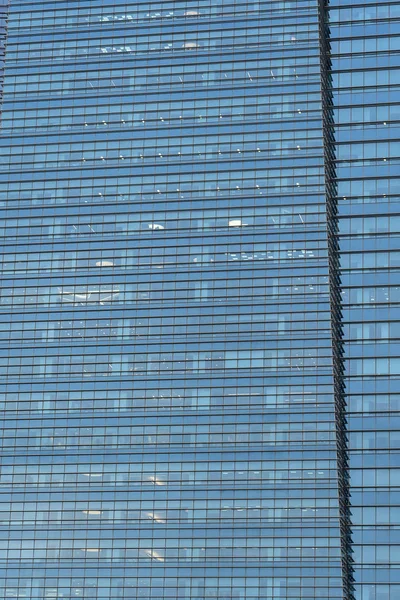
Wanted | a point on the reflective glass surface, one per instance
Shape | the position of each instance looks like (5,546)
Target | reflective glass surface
(167,355)
(3,32)
(365,43)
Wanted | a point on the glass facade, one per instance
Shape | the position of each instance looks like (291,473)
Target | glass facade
(3,32)
(173,325)
(365,57)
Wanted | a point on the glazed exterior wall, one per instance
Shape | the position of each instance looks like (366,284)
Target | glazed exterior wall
(167,363)
(365,44)
(3,36)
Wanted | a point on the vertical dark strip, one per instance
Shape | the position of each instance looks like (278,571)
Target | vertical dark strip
(336,303)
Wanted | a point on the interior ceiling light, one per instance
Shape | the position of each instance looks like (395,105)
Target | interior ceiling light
(154,555)
(155,480)
(155,226)
(155,518)
(91,512)
(104,263)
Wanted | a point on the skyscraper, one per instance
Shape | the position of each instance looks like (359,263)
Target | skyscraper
(365,46)
(198,339)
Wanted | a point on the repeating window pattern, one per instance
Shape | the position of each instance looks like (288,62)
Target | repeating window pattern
(167,379)
(3,34)
(364,39)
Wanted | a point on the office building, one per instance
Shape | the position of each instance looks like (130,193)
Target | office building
(198,360)
(365,46)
